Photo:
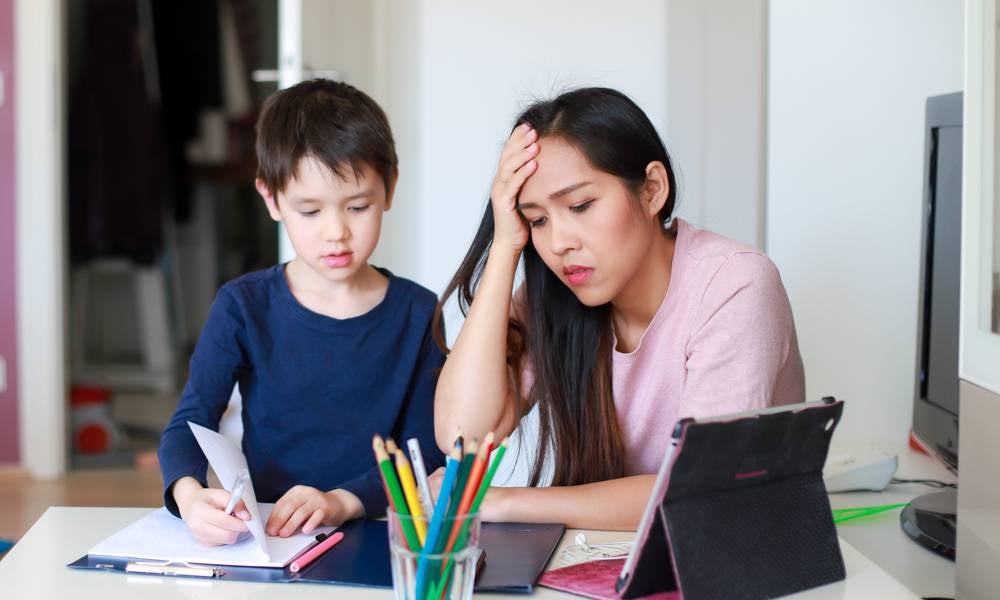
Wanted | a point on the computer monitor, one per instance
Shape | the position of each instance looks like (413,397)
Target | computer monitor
(930,519)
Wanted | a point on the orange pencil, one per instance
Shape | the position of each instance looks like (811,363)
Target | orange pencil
(472,486)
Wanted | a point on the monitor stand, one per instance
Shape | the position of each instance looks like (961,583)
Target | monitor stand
(929,520)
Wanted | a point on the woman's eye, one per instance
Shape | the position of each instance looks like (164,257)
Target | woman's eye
(358,209)
(579,208)
(309,213)
(534,223)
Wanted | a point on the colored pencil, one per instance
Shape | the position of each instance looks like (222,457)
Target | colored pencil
(484,486)
(395,493)
(440,508)
(420,471)
(471,488)
(410,493)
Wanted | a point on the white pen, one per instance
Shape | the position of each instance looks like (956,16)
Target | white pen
(237,492)
(423,486)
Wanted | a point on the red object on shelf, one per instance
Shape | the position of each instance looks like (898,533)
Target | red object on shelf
(93,430)
(84,395)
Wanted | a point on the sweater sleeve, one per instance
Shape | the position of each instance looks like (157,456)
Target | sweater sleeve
(743,341)
(215,365)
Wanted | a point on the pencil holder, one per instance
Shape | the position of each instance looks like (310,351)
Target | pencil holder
(448,570)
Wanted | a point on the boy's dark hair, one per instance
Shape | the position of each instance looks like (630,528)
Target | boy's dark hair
(334,122)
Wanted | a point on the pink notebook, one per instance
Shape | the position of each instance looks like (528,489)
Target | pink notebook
(595,579)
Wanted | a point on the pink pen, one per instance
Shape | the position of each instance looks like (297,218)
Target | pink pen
(303,561)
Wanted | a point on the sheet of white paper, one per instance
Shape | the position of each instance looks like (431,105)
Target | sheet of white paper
(160,536)
(227,461)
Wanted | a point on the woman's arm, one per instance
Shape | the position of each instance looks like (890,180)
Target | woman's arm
(616,504)
(473,391)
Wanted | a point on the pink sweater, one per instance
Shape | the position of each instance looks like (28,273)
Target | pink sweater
(722,341)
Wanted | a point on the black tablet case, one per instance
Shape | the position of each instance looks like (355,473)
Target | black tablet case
(745,512)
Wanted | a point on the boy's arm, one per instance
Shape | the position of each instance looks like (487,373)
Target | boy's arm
(416,419)
(215,365)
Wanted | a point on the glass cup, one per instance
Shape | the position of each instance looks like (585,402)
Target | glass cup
(433,575)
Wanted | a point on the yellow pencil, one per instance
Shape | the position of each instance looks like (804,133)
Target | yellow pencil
(410,492)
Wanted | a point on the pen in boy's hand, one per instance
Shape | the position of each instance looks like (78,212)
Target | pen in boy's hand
(237,492)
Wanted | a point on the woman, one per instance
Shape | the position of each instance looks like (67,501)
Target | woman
(628,319)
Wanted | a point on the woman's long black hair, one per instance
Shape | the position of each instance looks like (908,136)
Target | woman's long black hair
(569,344)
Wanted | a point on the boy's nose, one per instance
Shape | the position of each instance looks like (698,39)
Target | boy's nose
(336,231)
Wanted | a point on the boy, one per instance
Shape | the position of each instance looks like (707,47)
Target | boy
(327,349)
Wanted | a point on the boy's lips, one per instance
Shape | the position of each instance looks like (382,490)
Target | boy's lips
(338,260)
(577,274)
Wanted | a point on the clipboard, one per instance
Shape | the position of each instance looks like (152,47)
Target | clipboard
(515,556)
(739,509)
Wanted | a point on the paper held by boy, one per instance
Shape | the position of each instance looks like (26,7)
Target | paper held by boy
(162,536)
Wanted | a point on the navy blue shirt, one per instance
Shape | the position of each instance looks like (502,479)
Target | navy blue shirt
(315,389)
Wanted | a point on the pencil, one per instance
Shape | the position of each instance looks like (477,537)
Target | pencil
(395,494)
(410,492)
(484,486)
(440,508)
(420,471)
(471,489)
(460,481)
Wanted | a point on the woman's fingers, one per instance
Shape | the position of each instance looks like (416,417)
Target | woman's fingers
(521,138)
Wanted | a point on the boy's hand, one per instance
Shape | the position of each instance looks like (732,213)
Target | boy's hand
(203,512)
(517,162)
(308,508)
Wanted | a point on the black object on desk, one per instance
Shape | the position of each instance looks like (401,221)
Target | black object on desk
(516,554)
(743,511)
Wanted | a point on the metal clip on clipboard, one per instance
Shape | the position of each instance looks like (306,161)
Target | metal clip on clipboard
(174,569)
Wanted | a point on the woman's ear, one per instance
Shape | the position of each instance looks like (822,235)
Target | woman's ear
(656,189)
(269,200)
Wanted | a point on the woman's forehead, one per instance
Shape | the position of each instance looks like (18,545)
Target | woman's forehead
(560,166)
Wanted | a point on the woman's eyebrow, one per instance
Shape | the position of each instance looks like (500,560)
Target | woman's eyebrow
(568,189)
(555,195)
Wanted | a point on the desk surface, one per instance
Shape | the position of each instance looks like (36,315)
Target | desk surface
(35,568)
(881,539)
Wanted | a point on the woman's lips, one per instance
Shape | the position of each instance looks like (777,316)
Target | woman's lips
(338,261)
(577,275)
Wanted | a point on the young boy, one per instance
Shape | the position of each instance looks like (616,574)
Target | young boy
(327,349)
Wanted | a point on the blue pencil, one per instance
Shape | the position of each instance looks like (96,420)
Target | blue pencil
(440,509)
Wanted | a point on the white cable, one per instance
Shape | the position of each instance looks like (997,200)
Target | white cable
(581,551)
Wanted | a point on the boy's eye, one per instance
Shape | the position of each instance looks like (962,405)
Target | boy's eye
(579,208)
(358,209)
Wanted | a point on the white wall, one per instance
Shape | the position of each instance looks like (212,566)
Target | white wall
(476,66)
(716,103)
(848,81)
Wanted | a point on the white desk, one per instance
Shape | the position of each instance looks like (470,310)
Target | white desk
(881,539)
(35,568)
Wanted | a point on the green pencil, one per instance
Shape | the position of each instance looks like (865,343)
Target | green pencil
(484,486)
(396,498)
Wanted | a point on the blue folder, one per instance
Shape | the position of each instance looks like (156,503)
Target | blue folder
(515,556)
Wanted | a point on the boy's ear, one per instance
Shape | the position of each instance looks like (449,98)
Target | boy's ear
(270,201)
(656,189)
(391,189)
